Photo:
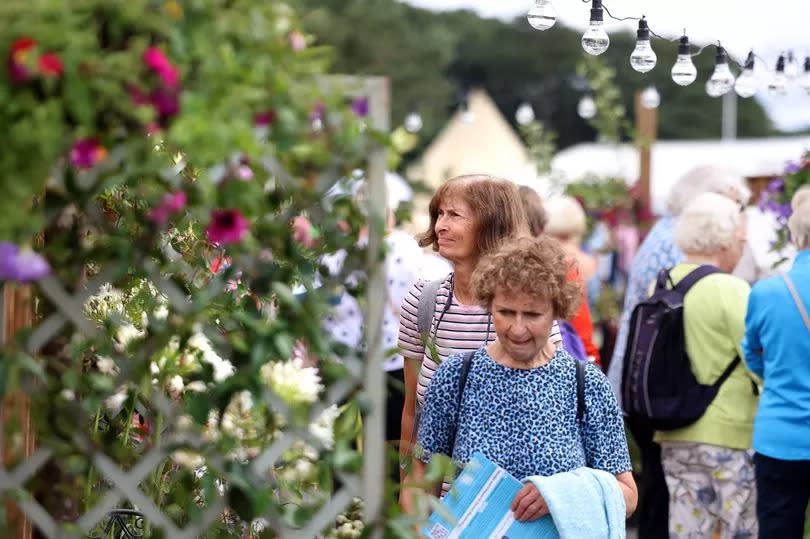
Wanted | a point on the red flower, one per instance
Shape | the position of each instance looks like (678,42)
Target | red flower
(87,153)
(226,226)
(157,61)
(51,65)
(220,263)
(18,58)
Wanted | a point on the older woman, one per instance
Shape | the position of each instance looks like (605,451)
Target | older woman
(657,252)
(777,348)
(519,405)
(469,217)
(708,465)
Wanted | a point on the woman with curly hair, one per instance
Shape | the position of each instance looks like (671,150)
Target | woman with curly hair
(519,405)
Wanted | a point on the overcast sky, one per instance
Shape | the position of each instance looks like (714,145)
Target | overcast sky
(769,27)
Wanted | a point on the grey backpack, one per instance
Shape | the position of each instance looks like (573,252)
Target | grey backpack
(427,307)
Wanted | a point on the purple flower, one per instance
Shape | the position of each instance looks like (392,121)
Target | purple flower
(776,186)
(226,226)
(21,265)
(360,106)
(318,112)
(792,168)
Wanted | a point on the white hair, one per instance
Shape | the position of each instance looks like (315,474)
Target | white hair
(708,224)
(711,179)
(799,222)
(566,218)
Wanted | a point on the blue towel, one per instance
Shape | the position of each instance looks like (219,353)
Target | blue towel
(584,503)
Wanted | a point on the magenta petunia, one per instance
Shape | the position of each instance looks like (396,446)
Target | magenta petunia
(21,265)
(171,203)
(263,119)
(87,153)
(166,103)
(158,62)
(226,226)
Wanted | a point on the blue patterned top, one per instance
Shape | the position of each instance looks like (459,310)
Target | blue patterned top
(524,419)
(658,251)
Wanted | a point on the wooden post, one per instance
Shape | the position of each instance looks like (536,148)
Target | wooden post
(646,134)
(16,312)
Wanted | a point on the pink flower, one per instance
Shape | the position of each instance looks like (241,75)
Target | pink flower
(157,61)
(298,41)
(244,172)
(166,103)
(18,58)
(302,232)
(171,203)
(226,226)
(264,119)
(87,153)
(50,65)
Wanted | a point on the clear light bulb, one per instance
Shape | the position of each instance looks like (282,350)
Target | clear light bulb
(791,67)
(413,122)
(684,71)
(595,40)
(650,98)
(778,84)
(586,108)
(804,80)
(747,83)
(643,57)
(542,15)
(722,79)
(524,114)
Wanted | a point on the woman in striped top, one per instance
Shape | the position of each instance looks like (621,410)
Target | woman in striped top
(469,217)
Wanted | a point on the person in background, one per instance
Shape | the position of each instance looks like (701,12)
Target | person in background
(708,464)
(777,348)
(470,216)
(519,403)
(657,252)
(581,322)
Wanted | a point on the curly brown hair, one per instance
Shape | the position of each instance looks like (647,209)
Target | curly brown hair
(495,203)
(534,266)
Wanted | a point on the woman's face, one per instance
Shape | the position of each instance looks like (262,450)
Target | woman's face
(455,230)
(522,323)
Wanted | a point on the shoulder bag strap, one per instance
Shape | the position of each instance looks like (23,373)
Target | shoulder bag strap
(798,300)
(580,389)
(462,383)
(426,307)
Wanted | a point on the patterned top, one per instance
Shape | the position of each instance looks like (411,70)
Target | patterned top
(525,419)
(658,251)
(462,328)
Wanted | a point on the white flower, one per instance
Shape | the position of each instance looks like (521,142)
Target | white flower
(184,422)
(196,386)
(104,302)
(291,381)
(323,427)
(125,335)
(106,365)
(116,401)
(176,384)
(187,459)
(161,313)
(68,394)
(222,367)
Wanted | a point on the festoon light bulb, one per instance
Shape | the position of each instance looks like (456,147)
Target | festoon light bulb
(586,108)
(747,83)
(721,80)
(643,57)
(684,71)
(804,80)
(524,114)
(542,15)
(413,122)
(595,40)
(778,83)
(791,67)
(650,98)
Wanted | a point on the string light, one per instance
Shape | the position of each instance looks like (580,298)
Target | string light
(413,122)
(643,57)
(586,108)
(804,80)
(650,98)
(747,83)
(791,67)
(524,114)
(542,15)
(778,83)
(684,71)
(595,40)
(721,80)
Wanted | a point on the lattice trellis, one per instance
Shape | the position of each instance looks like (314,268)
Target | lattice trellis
(68,309)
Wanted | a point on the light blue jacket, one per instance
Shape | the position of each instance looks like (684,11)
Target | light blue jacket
(777,348)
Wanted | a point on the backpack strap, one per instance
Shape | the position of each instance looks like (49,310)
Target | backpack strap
(694,276)
(426,307)
(728,371)
(580,389)
(798,300)
(466,362)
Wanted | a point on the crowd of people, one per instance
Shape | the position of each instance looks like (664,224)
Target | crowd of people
(497,356)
